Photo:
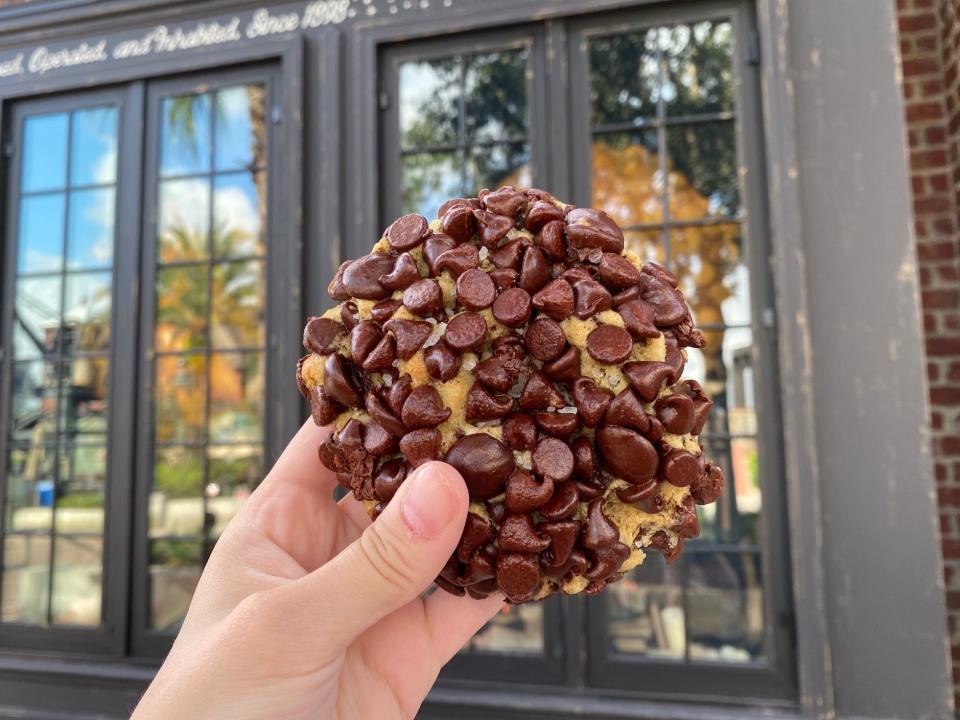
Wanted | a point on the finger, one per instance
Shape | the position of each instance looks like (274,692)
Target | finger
(391,563)
(300,461)
(354,519)
(453,620)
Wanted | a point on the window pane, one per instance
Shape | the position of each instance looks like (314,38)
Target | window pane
(495,100)
(623,77)
(176,501)
(90,228)
(30,482)
(710,264)
(234,472)
(26,578)
(735,518)
(627,182)
(237,304)
(429,93)
(182,295)
(698,76)
(183,230)
(37,314)
(236,397)
(725,607)
(180,388)
(239,207)
(83,398)
(703,174)
(240,123)
(77,579)
(174,572)
(185,135)
(515,630)
(34,401)
(40,246)
(648,244)
(81,489)
(428,180)
(94,146)
(493,166)
(44,152)
(86,311)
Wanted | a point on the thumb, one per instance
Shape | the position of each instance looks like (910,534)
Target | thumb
(394,560)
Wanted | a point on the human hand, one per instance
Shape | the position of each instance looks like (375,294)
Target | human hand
(307,609)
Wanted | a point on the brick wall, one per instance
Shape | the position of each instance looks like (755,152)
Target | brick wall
(929,46)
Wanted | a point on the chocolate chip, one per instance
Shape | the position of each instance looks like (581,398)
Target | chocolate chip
(592,402)
(493,373)
(321,335)
(555,299)
(638,319)
(434,247)
(627,454)
(491,228)
(336,289)
(396,395)
(606,562)
(553,459)
(539,214)
(520,432)
(404,274)
(591,298)
(590,489)
(584,461)
(661,273)
(654,431)
(457,222)
(389,478)
(475,290)
(424,408)
(379,411)
(634,494)
(598,531)
(535,270)
(545,339)
(668,305)
(558,425)
(407,232)
(680,468)
(674,357)
(701,404)
(539,393)
(471,203)
(382,356)
(377,441)
(482,405)
(466,332)
(609,344)
(420,446)
(565,368)
(647,377)
(362,275)
(627,411)
(505,201)
(588,229)
(706,489)
(512,307)
(423,298)
(410,335)
(564,502)
(496,510)
(339,383)
(563,534)
(518,534)
(441,361)
(457,260)
(349,315)
(577,273)
(625,296)
(525,492)
(676,413)
(384,310)
(552,240)
(616,272)
(477,532)
(576,564)
(484,462)
(518,575)
(504,278)
(323,409)
(364,338)
(509,254)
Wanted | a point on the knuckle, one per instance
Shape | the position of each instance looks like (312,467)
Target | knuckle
(386,557)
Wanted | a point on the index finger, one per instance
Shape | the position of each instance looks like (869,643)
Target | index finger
(300,461)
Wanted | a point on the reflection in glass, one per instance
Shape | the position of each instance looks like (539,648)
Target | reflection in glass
(236,397)
(645,610)
(237,206)
(40,245)
(495,95)
(709,262)
(428,103)
(86,311)
(90,228)
(26,578)
(736,515)
(516,629)
(181,322)
(94,146)
(180,398)
(77,578)
(697,73)
(81,487)
(34,400)
(428,179)
(703,171)
(31,475)
(233,473)
(174,567)
(627,182)
(648,244)
(237,304)
(240,128)
(185,135)
(183,228)
(44,152)
(37,314)
(83,397)
(623,77)
(496,165)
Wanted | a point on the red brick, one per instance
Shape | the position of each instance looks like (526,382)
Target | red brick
(933,370)
(929,159)
(953,373)
(951,321)
(943,225)
(932,204)
(924,111)
(929,324)
(939,182)
(948,273)
(948,445)
(920,66)
(929,88)
(927,43)
(935,250)
(935,135)
(917,184)
(945,526)
(946,496)
(936,420)
(913,23)
(940,298)
(944,395)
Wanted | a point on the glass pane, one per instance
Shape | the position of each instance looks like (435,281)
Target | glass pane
(183,229)
(493,166)
(26,578)
(239,209)
(236,397)
(77,579)
(725,607)
(44,152)
(86,311)
(37,314)
(233,473)
(627,182)
(40,246)
(735,518)
(174,572)
(83,398)
(429,92)
(31,474)
(94,146)
(710,264)
(34,401)
(516,630)
(623,77)
(90,228)
(698,77)
(180,389)
(240,124)
(495,97)
(80,489)
(185,135)
(181,322)
(648,244)
(175,507)
(428,180)
(646,610)
(703,171)
(237,304)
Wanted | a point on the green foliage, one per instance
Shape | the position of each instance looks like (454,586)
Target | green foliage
(81,500)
